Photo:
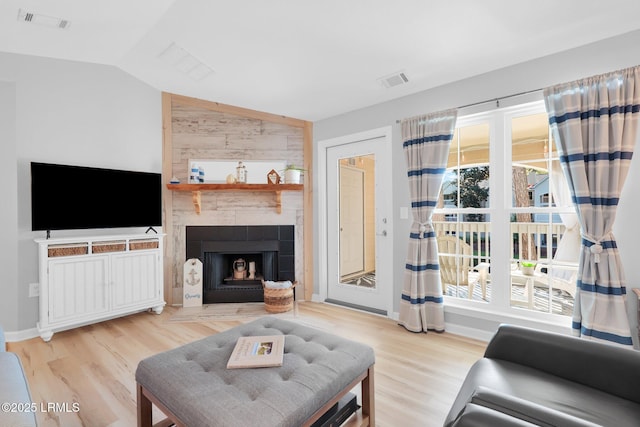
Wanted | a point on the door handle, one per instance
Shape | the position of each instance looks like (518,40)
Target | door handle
(384,233)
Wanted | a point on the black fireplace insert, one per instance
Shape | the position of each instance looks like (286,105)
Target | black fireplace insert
(268,249)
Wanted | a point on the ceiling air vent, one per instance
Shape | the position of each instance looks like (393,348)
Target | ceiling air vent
(395,79)
(47,21)
(185,62)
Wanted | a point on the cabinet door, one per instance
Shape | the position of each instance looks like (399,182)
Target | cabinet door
(135,278)
(77,288)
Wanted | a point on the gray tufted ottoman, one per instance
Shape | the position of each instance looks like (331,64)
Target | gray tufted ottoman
(193,387)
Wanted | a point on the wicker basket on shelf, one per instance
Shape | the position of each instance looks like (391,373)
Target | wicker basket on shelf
(277,300)
(103,247)
(68,250)
(136,245)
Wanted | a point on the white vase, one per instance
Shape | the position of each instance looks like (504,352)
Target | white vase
(292,176)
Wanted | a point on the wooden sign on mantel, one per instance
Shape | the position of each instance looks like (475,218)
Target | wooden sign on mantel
(273,177)
(192,285)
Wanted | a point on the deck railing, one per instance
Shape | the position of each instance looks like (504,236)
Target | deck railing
(530,240)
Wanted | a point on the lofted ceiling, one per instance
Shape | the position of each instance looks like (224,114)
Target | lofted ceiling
(306,59)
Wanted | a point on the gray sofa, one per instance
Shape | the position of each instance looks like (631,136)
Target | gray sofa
(528,377)
(17,406)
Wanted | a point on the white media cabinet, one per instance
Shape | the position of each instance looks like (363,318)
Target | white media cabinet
(84,280)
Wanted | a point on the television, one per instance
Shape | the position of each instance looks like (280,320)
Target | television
(65,197)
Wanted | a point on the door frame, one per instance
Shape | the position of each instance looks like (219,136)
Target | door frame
(385,186)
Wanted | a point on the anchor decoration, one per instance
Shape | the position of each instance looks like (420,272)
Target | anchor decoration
(192,279)
(192,288)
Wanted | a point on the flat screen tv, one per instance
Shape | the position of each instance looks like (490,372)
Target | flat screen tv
(65,197)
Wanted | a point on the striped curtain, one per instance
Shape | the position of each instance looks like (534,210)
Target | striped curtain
(426,142)
(595,125)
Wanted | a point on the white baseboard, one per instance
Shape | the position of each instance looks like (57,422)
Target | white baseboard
(17,336)
(465,331)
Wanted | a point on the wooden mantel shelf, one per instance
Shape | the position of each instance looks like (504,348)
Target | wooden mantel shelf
(235,187)
(196,190)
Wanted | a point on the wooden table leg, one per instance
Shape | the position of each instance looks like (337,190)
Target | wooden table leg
(368,398)
(144,409)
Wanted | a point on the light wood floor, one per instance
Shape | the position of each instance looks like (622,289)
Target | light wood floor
(417,376)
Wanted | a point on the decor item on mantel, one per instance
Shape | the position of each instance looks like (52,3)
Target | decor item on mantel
(273,177)
(292,174)
(194,178)
(241,173)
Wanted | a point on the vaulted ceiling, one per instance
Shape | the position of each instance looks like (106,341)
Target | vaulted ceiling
(302,58)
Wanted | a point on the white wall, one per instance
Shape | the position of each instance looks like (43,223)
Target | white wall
(73,113)
(604,56)
(9,212)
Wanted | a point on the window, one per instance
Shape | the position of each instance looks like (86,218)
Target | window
(464,214)
(544,199)
(506,201)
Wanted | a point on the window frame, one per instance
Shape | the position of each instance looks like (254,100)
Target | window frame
(499,308)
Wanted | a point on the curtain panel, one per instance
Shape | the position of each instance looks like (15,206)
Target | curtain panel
(426,140)
(595,125)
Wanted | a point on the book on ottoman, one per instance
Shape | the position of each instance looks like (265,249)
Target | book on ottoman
(257,352)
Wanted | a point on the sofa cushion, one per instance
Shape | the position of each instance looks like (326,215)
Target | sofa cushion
(550,391)
(14,390)
(473,415)
(525,409)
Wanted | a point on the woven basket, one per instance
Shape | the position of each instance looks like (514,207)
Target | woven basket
(278,300)
(63,250)
(102,247)
(136,245)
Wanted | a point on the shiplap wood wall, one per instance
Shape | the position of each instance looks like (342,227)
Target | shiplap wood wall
(196,129)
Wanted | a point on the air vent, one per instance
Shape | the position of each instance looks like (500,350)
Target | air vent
(44,20)
(185,62)
(395,79)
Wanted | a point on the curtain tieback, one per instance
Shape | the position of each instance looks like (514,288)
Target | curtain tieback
(595,249)
(424,227)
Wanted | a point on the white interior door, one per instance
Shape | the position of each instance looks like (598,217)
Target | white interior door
(359,255)
(352,228)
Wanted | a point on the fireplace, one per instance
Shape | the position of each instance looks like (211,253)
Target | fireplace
(270,248)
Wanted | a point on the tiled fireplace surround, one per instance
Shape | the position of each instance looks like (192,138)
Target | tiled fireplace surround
(270,247)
